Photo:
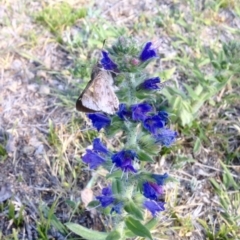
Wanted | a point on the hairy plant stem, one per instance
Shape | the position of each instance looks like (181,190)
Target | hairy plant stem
(131,88)
(132,136)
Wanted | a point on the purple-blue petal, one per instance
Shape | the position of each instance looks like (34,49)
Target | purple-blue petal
(98,146)
(140,110)
(107,63)
(154,207)
(160,179)
(93,159)
(148,52)
(127,165)
(152,190)
(117,208)
(163,115)
(153,123)
(124,160)
(99,120)
(107,191)
(107,197)
(166,137)
(123,112)
(105,200)
(151,84)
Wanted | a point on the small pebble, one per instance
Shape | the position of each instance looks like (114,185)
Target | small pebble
(33,87)
(44,89)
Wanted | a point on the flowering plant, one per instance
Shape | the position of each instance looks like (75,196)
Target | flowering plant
(144,131)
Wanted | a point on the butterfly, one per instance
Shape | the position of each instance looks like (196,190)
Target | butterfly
(98,95)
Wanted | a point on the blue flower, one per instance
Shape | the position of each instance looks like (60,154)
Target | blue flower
(151,84)
(140,110)
(123,112)
(107,63)
(99,147)
(99,120)
(107,197)
(163,115)
(93,159)
(124,159)
(117,208)
(159,178)
(166,137)
(148,52)
(154,207)
(153,123)
(152,190)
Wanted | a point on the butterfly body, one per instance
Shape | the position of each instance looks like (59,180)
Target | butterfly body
(99,95)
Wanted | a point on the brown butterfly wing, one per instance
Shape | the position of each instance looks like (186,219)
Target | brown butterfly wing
(108,100)
(79,105)
(99,94)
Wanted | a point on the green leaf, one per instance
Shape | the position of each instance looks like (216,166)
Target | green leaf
(55,222)
(198,74)
(176,102)
(197,145)
(3,153)
(93,204)
(191,92)
(151,223)
(116,174)
(181,161)
(115,126)
(167,74)
(215,185)
(143,156)
(228,178)
(132,209)
(198,89)
(117,186)
(115,235)
(85,232)
(186,117)
(137,227)
(147,144)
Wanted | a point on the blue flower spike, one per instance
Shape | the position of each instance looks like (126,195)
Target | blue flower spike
(99,120)
(149,51)
(141,125)
(107,63)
